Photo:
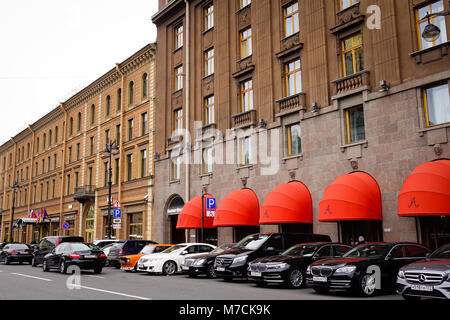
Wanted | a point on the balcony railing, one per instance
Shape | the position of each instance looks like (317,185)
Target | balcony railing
(291,103)
(352,82)
(84,193)
(244,119)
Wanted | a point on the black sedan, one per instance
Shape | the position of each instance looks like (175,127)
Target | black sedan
(204,263)
(289,268)
(364,269)
(74,254)
(16,252)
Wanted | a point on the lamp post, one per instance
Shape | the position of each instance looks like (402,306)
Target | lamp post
(432,32)
(111,148)
(14,187)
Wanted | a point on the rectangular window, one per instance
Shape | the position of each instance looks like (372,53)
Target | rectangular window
(90,177)
(209,17)
(116,170)
(245,3)
(207,163)
(135,229)
(432,8)
(209,110)
(70,154)
(130,129)
(107,137)
(247,95)
(118,134)
(344,4)
(209,62)
(437,105)
(178,120)
(76,179)
(144,124)
(129,167)
(175,168)
(291,20)
(68,185)
(105,174)
(143,163)
(92,145)
(294,140)
(293,78)
(178,37)
(355,124)
(246,43)
(245,151)
(352,55)
(179,78)
(78,151)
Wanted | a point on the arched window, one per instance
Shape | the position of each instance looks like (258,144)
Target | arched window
(56,135)
(70,126)
(144,85)
(131,93)
(37,145)
(108,105)
(50,137)
(44,142)
(79,122)
(92,114)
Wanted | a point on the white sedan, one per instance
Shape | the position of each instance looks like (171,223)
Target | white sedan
(169,261)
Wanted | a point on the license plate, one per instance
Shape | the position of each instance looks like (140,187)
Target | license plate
(255,274)
(220,269)
(184,268)
(90,257)
(320,279)
(422,288)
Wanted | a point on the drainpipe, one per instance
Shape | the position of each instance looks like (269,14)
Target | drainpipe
(11,231)
(121,153)
(63,168)
(30,182)
(187,75)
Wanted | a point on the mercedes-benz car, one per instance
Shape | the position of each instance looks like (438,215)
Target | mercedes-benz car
(366,269)
(429,278)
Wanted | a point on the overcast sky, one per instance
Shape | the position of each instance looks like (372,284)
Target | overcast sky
(51,49)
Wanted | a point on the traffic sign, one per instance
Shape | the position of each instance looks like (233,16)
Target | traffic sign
(65,226)
(117,226)
(117,221)
(117,205)
(210,203)
(117,213)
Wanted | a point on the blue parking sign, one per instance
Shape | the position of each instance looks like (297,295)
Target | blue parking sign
(117,213)
(210,203)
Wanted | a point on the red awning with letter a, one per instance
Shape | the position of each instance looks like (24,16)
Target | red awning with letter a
(288,203)
(351,197)
(190,216)
(239,208)
(426,192)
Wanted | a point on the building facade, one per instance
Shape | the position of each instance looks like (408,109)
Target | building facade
(330,90)
(61,168)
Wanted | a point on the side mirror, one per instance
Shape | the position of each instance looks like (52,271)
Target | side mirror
(184,252)
(388,257)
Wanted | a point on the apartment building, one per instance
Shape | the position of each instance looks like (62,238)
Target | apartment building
(60,166)
(346,97)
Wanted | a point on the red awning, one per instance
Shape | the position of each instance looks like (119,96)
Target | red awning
(190,216)
(239,208)
(354,196)
(426,192)
(288,203)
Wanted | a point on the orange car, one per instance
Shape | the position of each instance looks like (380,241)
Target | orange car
(129,263)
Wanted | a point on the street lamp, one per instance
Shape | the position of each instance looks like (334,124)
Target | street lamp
(111,148)
(432,32)
(14,187)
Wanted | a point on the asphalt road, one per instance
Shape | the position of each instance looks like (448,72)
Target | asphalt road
(27,283)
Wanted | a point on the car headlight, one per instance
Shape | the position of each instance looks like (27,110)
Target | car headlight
(308,270)
(199,262)
(448,277)
(239,260)
(348,269)
(278,266)
(401,274)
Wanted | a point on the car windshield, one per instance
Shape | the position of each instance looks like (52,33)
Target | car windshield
(78,247)
(92,246)
(368,251)
(222,248)
(174,248)
(18,246)
(301,250)
(253,241)
(148,250)
(441,253)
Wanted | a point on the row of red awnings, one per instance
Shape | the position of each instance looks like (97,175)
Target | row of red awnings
(351,197)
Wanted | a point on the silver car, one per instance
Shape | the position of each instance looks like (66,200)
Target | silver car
(429,278)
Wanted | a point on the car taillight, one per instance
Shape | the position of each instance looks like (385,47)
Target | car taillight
(102,255)
(120,251)
(13,252)
(74,256)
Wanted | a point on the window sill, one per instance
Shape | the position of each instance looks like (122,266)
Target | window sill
(177,49)
(364,143)
(296,156)
(436,127)
(432,54)
(177,91)
(178,181)
(207,31)
(242,167)
(244,8)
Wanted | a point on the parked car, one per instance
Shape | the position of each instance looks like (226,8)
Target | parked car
(124,249)
(353,272)
(103,243)
(16,252)
(429,278)
(204,263)
(289,268)
(129,263)
(234,263)
(2,244)
(169,261)
(74,254)
(47,244)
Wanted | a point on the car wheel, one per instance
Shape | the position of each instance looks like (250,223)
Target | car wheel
(210,273)
(44,266)
(321,290)
(98,270)
(367,285)
(63,267)
(295,278)
(169,268)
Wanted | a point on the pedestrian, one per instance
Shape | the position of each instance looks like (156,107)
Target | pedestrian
(361,240)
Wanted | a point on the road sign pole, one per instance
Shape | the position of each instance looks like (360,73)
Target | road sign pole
(203,210)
